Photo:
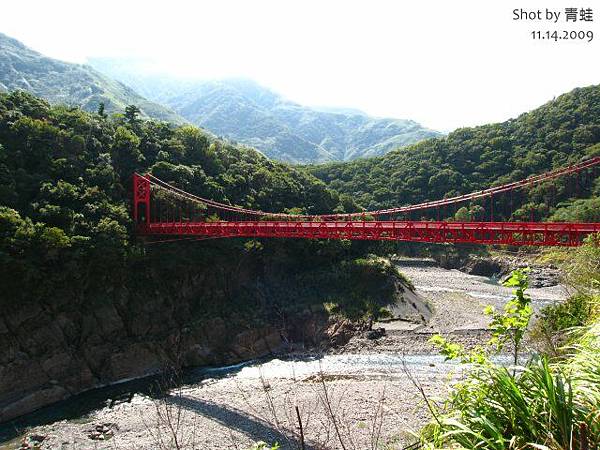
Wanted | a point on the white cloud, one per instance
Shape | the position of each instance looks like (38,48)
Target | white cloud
(444,64)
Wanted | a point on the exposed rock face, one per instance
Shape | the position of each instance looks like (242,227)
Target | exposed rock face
(409,306)
(47,355)
(53,348)
(339,332)
(502,265)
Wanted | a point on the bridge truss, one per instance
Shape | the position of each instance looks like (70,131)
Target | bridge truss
(165,211)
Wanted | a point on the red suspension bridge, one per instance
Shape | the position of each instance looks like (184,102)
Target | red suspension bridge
(165,211)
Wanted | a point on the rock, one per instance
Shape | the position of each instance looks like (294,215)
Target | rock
(544,277)
(32,402)
(3,328)
(53,351)
(32,442)
(483,267)
(197,355)
(339,332)
(135,360)
(375,334)
(255,343)
(102,432)
(37,437)
(540,276)
(57,364)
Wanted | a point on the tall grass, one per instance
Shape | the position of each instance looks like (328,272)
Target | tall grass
(548,404)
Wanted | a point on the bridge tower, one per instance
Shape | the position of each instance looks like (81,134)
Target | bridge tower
(141,200)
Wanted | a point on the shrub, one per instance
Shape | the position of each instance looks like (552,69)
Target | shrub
(546,404)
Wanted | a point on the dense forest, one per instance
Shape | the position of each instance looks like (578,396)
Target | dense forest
(65,178)
(563,131)
(65,227)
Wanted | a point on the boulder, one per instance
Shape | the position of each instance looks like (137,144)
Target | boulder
(486,267)
(375,334)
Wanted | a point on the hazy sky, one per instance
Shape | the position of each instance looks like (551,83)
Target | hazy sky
(443,63)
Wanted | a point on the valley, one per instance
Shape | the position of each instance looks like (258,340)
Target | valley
(205,264)
(244,111)
(365,379)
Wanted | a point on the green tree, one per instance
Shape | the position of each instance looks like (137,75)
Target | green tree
(512,323)
(125,153)
(462,215)
(101,111)
(132,113)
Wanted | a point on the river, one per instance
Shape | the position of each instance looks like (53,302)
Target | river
(366,394)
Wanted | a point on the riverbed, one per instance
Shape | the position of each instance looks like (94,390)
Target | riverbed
(364,395)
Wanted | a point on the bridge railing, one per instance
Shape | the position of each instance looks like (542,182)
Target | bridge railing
(160,206)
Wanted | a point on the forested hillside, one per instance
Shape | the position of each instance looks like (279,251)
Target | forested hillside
(246,112)
(66,231)
(84,303)
(65,180)
(72,84)
(560,132)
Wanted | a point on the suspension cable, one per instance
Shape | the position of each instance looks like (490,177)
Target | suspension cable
(530,181)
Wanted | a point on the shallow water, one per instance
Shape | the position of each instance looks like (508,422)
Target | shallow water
(81,408)
(371,365)
(458,298)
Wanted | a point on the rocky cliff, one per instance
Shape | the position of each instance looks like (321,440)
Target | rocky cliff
(52,350)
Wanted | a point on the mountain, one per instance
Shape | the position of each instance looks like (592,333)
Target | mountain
(562,131)
(243,111)
(72,84)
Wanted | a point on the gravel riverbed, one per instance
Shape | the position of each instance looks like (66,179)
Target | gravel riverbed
(360,394)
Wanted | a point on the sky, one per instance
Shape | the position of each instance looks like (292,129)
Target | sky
(445,64)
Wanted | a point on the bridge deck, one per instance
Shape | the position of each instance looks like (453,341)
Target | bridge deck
(507,233)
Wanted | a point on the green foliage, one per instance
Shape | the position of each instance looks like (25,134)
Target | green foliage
(132,113)
(583,268)
(576,311)
(542,407)
(512,323)
(563,131)
(366,285)
(102,110)
(453,350)
(66,233)
(264,446)
(581,210)
(125,152)
(462,215)
(65,83)
(548,405)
